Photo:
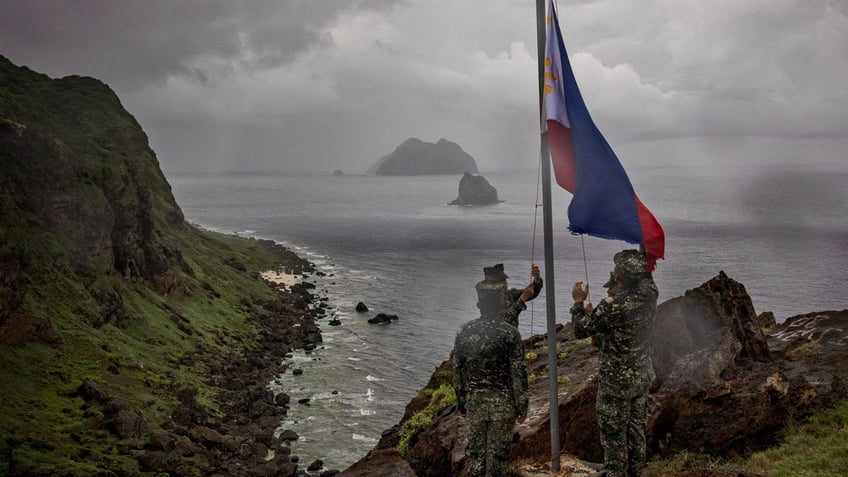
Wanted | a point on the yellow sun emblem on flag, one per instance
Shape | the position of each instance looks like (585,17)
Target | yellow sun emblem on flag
(549,76)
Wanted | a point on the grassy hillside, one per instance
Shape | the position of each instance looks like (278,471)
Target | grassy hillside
(118,320)
(141,359)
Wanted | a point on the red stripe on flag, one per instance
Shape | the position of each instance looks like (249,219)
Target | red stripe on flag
(653,236)
(562,154)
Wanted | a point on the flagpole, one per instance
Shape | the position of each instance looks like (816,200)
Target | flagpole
(550,303)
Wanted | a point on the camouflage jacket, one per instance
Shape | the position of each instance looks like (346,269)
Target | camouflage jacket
(513,306)
(623,328)
(488,354)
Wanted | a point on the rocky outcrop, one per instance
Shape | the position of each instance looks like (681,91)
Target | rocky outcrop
(382,318)
(475,190)
(723,386)
(415,157)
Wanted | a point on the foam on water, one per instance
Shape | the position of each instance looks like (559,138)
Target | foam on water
(358,437)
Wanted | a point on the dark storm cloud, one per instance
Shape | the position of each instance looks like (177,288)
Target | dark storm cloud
(133,43)
(260,84)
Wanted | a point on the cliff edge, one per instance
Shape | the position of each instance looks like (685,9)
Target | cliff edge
(724,388)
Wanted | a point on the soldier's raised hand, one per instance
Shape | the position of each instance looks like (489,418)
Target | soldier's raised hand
(578,293)
(535,273)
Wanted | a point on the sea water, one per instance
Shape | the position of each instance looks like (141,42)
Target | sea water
(393,244)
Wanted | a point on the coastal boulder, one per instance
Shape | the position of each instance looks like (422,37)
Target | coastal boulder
(382,318)
(380,462)
(713,326)
(475,190)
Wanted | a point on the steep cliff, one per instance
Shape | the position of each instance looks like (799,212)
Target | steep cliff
(76,168)
(130,341)
(415,157)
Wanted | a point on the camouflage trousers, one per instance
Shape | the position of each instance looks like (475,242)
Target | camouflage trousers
(490,416)
(622,417)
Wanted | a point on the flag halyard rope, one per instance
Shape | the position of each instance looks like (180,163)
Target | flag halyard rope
(533,246)
(585,267)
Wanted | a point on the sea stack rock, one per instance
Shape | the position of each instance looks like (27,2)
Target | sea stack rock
(475,190)
(415,157)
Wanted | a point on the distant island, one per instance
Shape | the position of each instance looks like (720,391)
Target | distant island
(415,157)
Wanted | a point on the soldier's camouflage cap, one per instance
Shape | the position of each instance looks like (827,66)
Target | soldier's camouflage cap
(492,284)
(631,262)
(495,274)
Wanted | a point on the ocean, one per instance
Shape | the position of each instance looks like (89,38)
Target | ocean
(393,244)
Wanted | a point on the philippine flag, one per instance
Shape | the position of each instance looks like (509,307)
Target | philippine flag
(604,203)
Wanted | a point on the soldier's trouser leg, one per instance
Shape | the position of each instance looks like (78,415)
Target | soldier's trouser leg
(478,427)
(613,416)
(636,434)
(500,439)
(491,416)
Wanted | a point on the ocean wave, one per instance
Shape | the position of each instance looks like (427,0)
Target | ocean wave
(373,378)
(359,437)
(330,396)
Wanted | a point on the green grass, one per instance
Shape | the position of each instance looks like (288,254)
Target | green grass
(818,447)
(563,349)
(44,423)
(814,448)
(440,398)
(807,350)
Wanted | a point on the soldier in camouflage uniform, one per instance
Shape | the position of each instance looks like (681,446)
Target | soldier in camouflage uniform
(514,305)
(622,326)
(490,377)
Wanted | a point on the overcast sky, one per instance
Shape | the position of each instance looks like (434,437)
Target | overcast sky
(326,84)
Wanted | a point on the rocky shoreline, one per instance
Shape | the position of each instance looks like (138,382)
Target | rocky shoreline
(252,413)
(724,387)
(241,439)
